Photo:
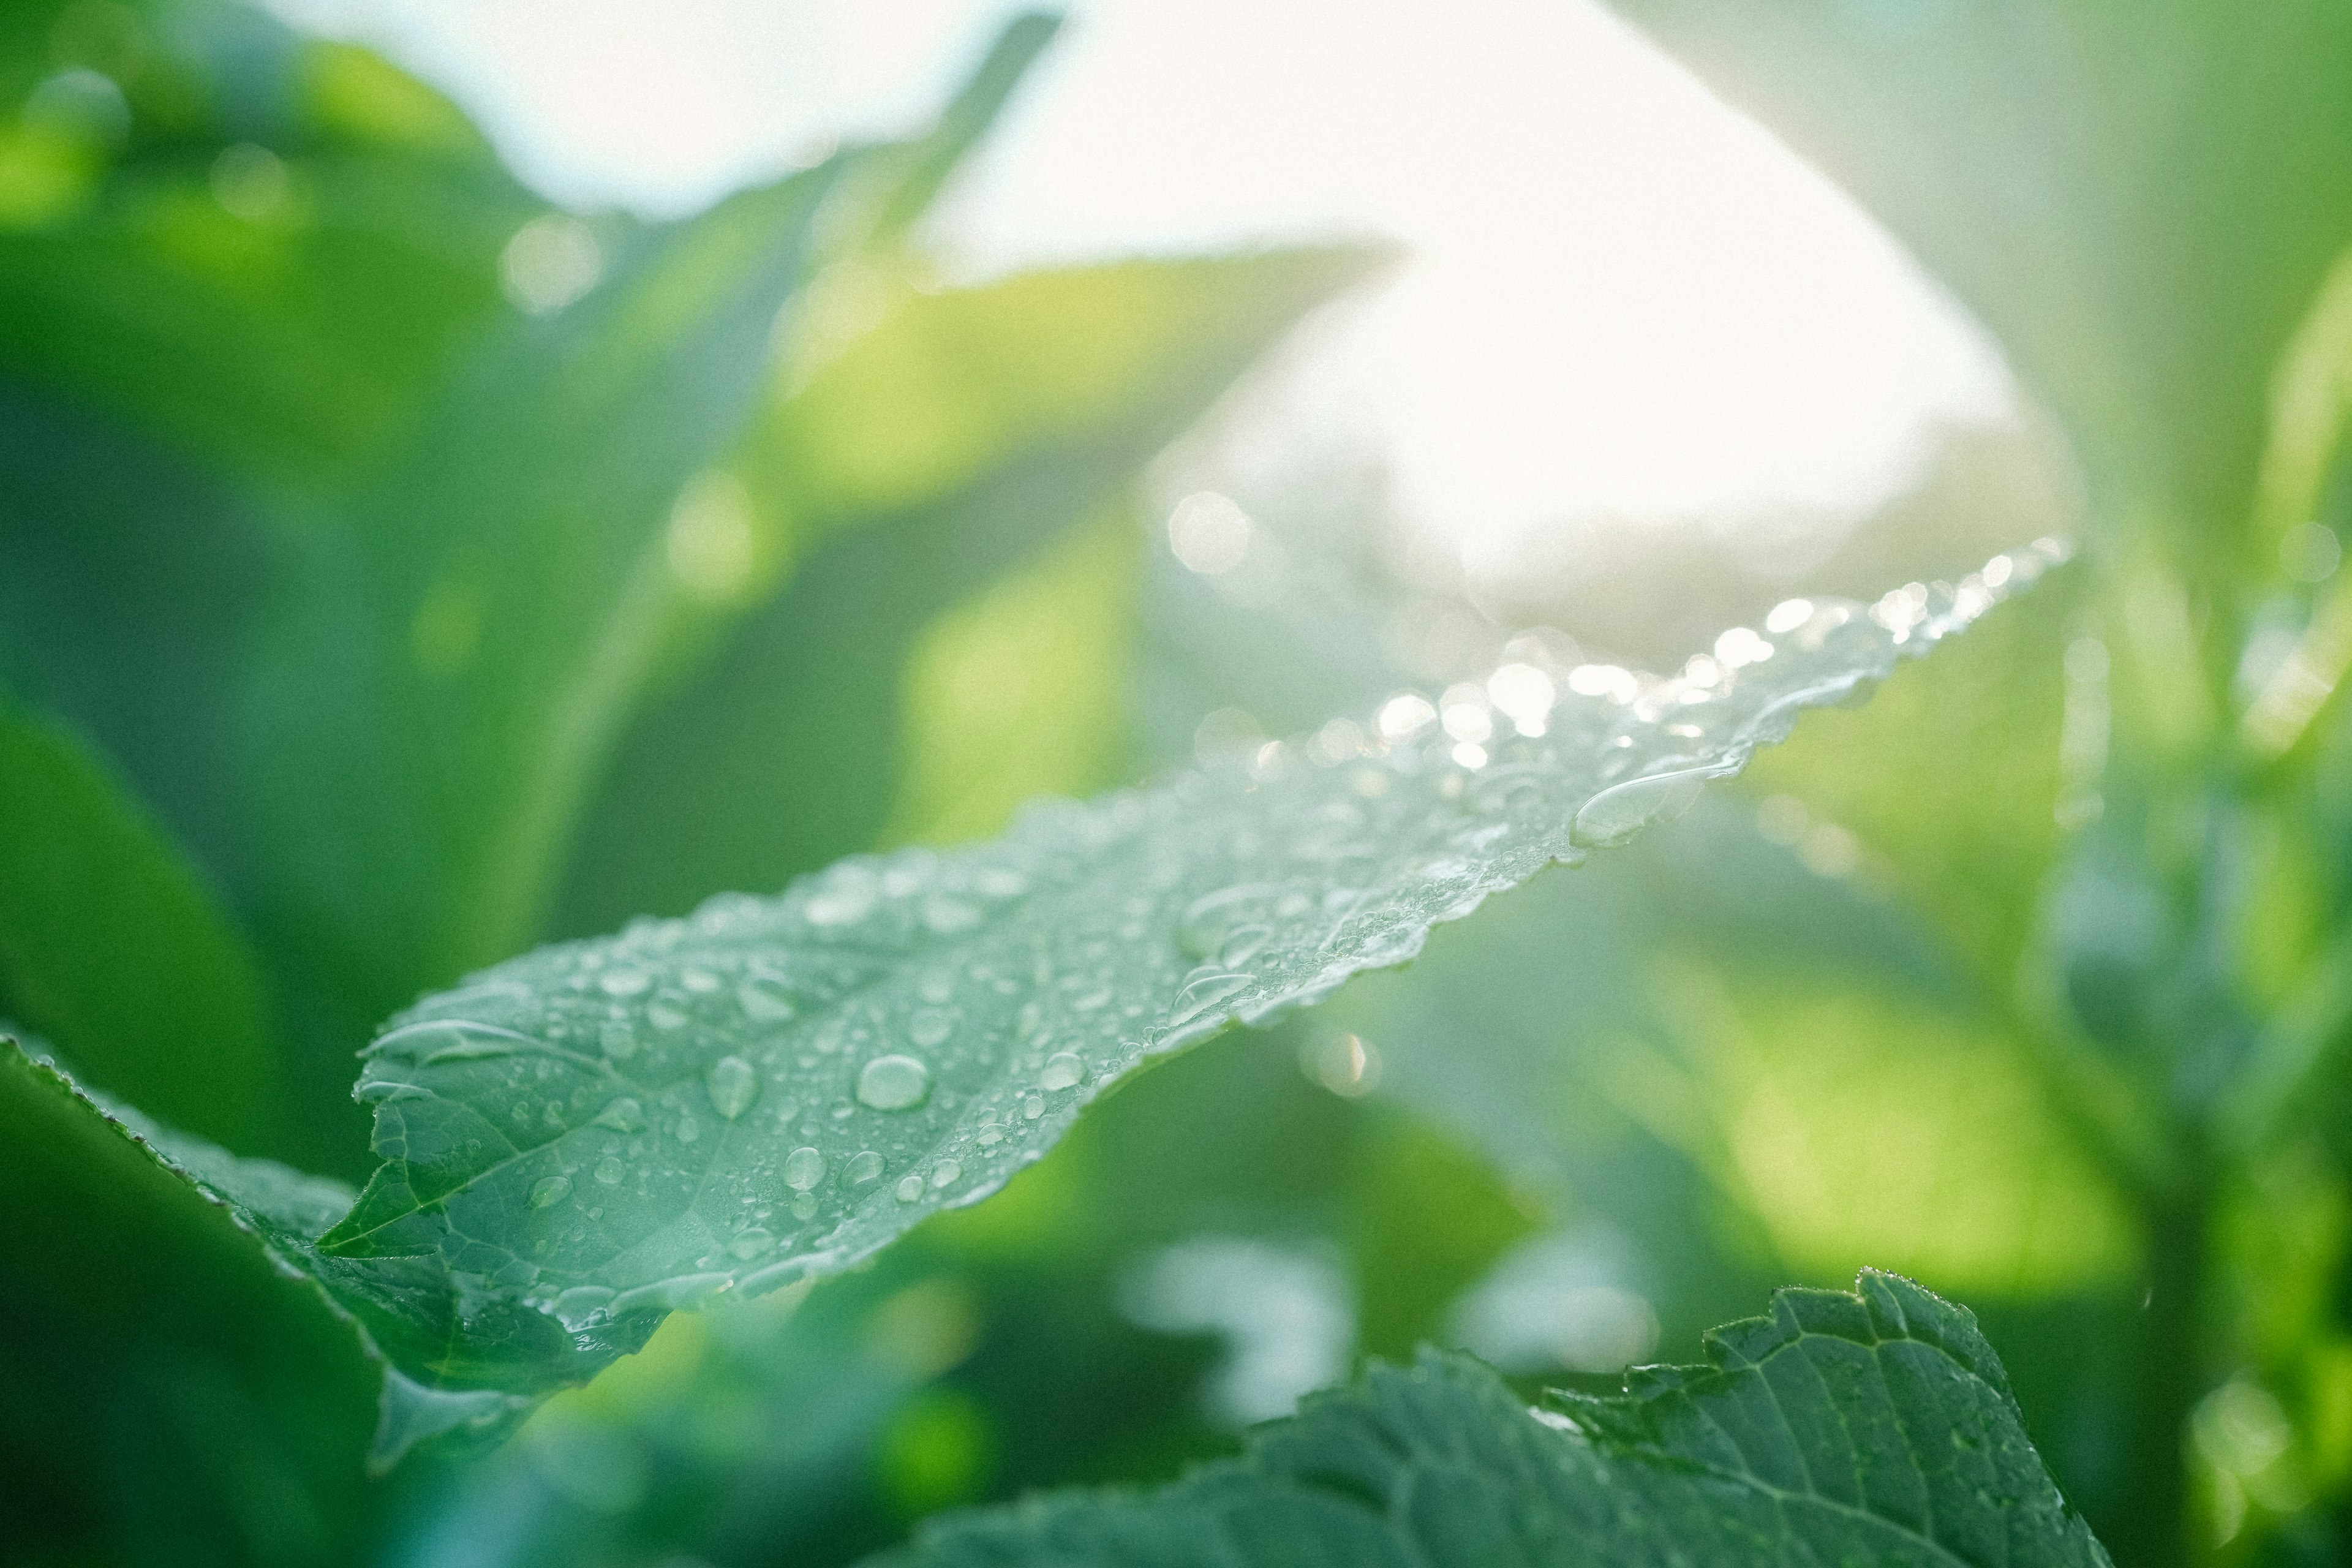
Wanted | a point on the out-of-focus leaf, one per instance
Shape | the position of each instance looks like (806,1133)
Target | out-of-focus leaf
(170,1391)
(1018,695)
(127,584)
(461,648)
(773,1089)
(1872,1427)
(2140,200)
(935,454)
(447,667)
(112,946)
(280,243)
(1966,849)
(1803,1048)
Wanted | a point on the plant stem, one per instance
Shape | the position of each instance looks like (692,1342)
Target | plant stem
(2154,1529)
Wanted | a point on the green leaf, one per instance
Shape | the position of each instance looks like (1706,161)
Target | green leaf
(940,451)
(1872,1427)
(112,944)
(1966,849)
(2139,200)
(461,648)
(775,1088)
(171,1390)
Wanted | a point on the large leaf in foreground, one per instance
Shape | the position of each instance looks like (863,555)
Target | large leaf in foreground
(168,1391)
(773,1089)
(1875,1428)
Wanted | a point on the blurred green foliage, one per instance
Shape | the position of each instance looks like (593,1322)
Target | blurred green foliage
(396,571)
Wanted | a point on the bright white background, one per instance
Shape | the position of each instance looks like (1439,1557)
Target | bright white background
(1623,301)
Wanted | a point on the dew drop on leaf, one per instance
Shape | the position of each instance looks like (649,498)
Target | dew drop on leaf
(1204,991)
(1620,811)
(948,1170)
(946,916)
(803,1169)
(623,982)
(929,1026)
(893,1083)
(750,1242)
(1062,1071)
(622,1113)
(733,1085)
(865,1166)
(549,1191)
(764,1000)
(909,1188)
(610,1171)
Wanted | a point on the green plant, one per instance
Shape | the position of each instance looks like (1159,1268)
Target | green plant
(396,574)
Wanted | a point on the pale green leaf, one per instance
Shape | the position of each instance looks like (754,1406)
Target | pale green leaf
(1875,1428)
(771,1089)
(2139,197)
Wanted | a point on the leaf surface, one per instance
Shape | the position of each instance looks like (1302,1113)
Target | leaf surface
(773,1089)
(171,1391)
(1869,1427)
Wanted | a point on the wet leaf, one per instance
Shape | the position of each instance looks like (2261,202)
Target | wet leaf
(1872,1427)
(771,1090)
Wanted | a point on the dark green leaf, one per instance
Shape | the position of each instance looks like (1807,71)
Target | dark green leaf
(112,946)
(170,1390)
(1876,1427)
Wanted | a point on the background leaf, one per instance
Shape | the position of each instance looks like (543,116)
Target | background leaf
(113,947)
(941,451)
(2140,201)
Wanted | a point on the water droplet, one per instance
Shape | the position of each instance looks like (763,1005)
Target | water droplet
(665,1015)
(1204,991)
(622,1113)
(805,1207)
(623,982)
(1033,1108)
(908,1189)
(733,1086)
(550,1190)
(1001,882)
(864,1167)
(610,1171)
(947,1174)
(893,1083)
(804,1168)
(579,1306)
(750,1242)
(764,999)
(847,897)
(1063,1069)
(929,1026)
(620,1042)
(688,1128)
(947,916)
(1209,918)
(989,1137)
(1618,812)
